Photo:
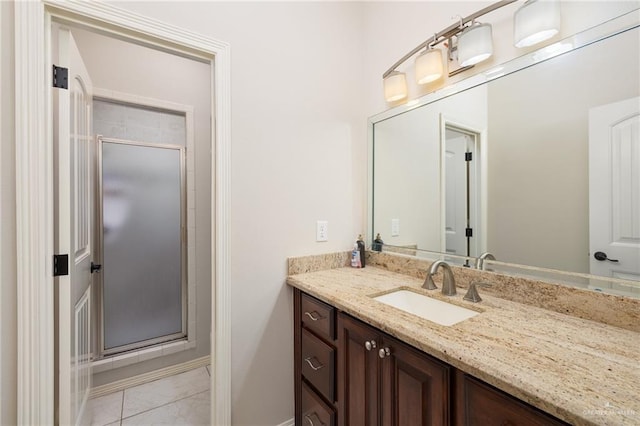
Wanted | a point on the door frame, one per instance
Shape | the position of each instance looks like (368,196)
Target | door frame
(35,192)
(480,200)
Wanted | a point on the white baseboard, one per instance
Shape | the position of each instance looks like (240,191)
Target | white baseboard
(140,379)
(290,422)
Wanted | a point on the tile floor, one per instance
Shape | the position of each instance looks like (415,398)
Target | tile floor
(183,399)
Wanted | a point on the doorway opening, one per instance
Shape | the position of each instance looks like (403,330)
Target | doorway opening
(132,201)
(461,178)
(34,204)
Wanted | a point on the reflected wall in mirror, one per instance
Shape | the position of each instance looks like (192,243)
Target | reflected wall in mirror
(554,146)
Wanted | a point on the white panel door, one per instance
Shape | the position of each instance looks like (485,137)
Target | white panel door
(614,189)
(73,150)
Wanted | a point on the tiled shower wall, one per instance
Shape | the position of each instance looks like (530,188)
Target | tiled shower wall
(121,121)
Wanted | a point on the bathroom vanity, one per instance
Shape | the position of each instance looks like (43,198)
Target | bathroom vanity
(532,352)
(361,362)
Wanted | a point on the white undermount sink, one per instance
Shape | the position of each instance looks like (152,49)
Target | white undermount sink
(431,309)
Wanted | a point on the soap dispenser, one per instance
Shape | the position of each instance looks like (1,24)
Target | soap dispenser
(360,243)
(377,243)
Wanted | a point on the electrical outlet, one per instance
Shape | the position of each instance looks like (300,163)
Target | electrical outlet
(395,227)
(322,230)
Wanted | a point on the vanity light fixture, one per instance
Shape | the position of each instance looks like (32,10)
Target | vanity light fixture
(429,66)
(395,86)
(475,44)
(536,21)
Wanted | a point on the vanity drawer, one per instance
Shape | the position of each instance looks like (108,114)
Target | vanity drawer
(318,364)
(318,316)
(314,410)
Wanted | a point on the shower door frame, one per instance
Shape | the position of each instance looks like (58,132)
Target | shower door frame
(183,334)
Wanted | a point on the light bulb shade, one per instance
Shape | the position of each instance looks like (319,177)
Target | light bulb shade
(475,44)
(536,21)
(395,86)
(429,66)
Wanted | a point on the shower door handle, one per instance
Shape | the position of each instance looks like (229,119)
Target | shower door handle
(95,267)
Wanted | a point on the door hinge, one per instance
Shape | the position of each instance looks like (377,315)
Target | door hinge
(468,232)
(60,77)
(60,265)
(468,156)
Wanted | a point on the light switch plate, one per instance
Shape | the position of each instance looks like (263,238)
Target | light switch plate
(395,227)
(322,230)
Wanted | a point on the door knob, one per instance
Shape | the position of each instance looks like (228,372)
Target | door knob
(95,267)
(601,256)
(384,352)
(370,344)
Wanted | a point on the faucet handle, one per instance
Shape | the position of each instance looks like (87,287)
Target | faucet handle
(472,293)
(428,283)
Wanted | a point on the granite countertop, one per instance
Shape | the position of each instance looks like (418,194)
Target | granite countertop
(581,371)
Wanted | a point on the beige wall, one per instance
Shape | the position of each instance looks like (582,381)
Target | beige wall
(136,70)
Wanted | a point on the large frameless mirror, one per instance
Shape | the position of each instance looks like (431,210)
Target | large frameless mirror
(536,161)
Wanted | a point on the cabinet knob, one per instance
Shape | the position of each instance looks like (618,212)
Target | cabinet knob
(384,352)
(370,344)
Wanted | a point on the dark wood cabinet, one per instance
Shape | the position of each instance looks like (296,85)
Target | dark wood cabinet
(383,381)
(479,404)
(349,373)
(358,373)
(315,361)
(415,387)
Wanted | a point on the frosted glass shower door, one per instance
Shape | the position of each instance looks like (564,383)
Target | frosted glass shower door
(143,253)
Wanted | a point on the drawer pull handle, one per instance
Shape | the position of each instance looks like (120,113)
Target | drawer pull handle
(313,315)
(370,344)
(317,422)
(310,361)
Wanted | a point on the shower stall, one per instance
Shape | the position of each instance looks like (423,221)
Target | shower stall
(141,244)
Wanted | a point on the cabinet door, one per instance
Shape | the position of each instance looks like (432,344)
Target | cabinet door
(414,388)
(480,404)
(358,373)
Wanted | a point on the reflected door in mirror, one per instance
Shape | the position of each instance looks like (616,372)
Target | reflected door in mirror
(614,189)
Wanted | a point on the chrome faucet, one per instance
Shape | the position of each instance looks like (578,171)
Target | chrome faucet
(448,282)
(484,256)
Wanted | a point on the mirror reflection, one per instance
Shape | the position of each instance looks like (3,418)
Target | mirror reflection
(540,167)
